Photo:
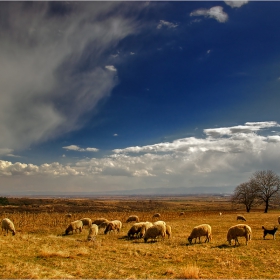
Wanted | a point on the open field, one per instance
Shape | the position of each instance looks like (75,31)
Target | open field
(39,250)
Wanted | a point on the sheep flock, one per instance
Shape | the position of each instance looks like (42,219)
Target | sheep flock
(149,231)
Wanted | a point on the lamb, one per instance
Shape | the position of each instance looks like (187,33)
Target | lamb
(8,225)
(74,226)
(132,218)
(86,222)
(238,231)
(269,231)
(115,225)
(168,231)
(201,230)
(241,217)
(99,221)
(153,232)
(93,231)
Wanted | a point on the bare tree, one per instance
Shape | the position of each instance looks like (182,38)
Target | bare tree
(266,185)
(246,194)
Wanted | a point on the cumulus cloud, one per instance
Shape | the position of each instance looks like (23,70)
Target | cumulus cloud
(167,24)
(214,12)
(45,88)
(236,4)
(78,149)
(223,157)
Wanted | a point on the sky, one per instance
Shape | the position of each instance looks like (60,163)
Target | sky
(104,96)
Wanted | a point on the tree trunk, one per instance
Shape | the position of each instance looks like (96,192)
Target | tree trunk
(266,207)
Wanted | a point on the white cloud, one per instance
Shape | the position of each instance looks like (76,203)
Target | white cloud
(225,159)
(111,68)
(167,24)
(78,149)
(236,4)
(42,94)
(214,12)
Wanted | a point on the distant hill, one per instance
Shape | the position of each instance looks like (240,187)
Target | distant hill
(143,192)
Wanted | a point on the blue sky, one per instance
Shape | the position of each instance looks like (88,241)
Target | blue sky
(100,96)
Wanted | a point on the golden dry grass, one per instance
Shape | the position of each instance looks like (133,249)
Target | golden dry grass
(39,250)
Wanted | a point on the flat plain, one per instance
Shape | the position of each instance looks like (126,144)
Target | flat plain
(39,249)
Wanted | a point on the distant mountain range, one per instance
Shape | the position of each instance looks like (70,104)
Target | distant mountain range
(143,192)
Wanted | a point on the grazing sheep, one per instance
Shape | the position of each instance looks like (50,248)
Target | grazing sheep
(163,223)
(156,215)
(168,231)
(135,230)
(115,225)
(86,222)
(238,231)
(144,228)
(153,232)
(93,231)
(269,231)
(68,215)
(182,214)
(201,230)
(241,217)
(132,218)
(74,226)
(8,225)
(99,221)
(279,220)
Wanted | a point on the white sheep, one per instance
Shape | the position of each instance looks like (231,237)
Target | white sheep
(74,226)
(99,221)
(154,232)
(115,225)
(241,217)
(238,231)
(8,225)
(93,231)
(201,230)
(163,223)
(86,222)
(132,218)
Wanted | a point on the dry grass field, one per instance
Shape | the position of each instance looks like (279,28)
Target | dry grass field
(38,250)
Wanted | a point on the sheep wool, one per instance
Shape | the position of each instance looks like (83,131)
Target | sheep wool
(201,230)
(8,225)
(144,228)
(239,230)
(74,226)
(99,221)
(132,218)
(86,222)
(135,230)
(93,231)
(168,231)
(154,232)
(115,225)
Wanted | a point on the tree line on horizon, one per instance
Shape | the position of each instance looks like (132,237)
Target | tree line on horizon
(262,188)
